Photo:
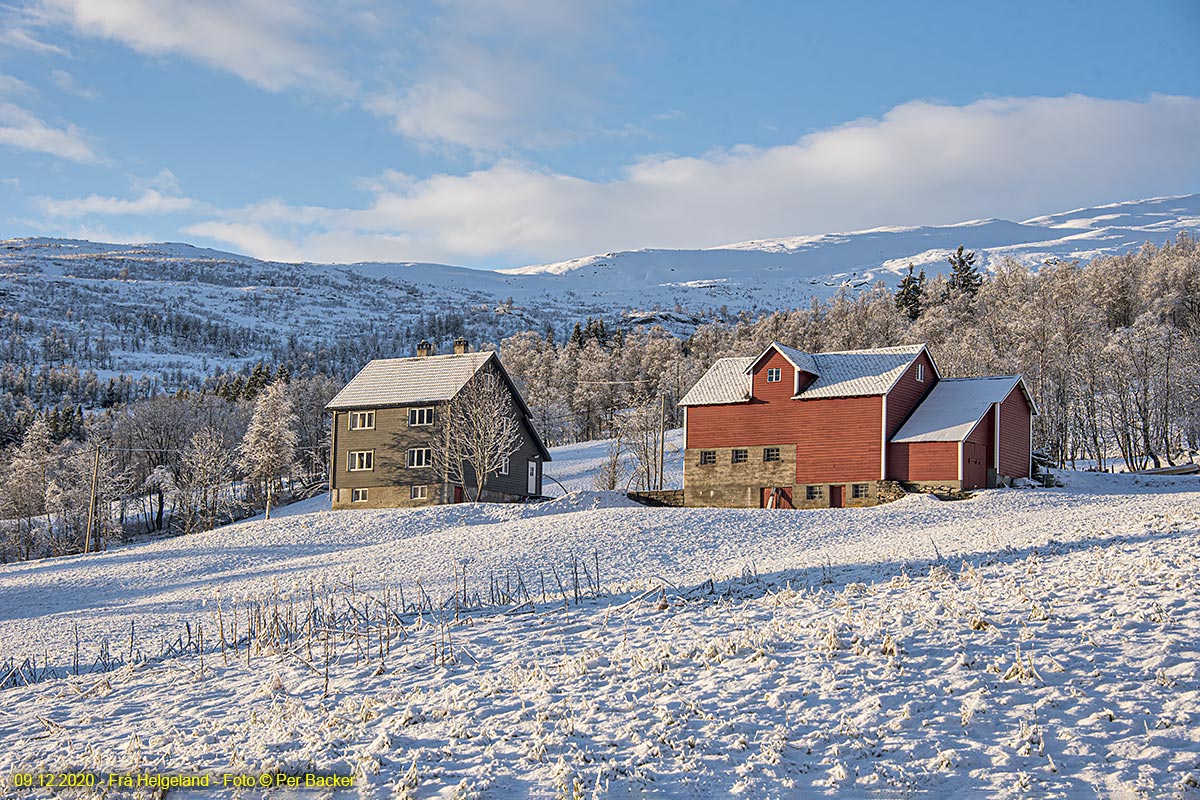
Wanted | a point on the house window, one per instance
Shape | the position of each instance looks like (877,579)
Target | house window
(362,420)
(814,492)
(360,460)
(770,454)
(860,491)
(774,374)
(420,457)
(503,466)
(708,457)
(358,495)
(920,373)
(741,456)
(419,493)
(420,416)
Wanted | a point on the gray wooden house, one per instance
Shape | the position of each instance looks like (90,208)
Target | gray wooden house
(389,418)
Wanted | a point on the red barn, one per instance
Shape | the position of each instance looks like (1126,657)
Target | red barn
(790,429)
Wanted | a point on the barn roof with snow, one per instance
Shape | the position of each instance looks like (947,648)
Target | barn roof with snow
(955,406)
(850,373)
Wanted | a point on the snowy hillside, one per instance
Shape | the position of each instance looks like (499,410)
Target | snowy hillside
(173,309)
(1022,642)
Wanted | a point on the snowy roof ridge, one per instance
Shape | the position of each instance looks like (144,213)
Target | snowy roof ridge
(403,381)
(799,359)
(954,407)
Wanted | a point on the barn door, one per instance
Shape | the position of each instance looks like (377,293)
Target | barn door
(776,497)
(974,465)
(835,497)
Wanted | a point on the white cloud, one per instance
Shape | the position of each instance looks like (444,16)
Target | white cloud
(24,130)
(266,42)
(150,202)
(248,238)
(67,82)
(161,194)
(921,163)
(496,75)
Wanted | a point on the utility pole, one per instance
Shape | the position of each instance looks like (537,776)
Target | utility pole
(662,438)
(87,542)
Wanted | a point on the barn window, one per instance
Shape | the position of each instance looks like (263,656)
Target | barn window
(362,420)
(420,416)
(360,460)
(420,457)
(860,491)
(814,492)
(770,454)
(920,373)
(741,456)
(419,493)
(358,495)
(708,457)
(774,374)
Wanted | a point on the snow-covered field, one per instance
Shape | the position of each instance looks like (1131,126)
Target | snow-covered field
(1021,643)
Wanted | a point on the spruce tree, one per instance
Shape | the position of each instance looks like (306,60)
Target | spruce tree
(964,275)
(911,293)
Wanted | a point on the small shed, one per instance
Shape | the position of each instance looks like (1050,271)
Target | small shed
(969,433)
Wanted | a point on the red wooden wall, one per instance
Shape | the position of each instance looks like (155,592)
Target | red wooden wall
(1015,416)
(908,392)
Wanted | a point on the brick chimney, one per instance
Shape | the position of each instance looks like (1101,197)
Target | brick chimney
(424,348)
(461,346)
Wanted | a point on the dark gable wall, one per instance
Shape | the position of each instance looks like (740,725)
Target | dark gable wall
(1015,418)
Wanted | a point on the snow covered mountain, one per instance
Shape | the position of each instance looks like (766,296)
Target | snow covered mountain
(174,308)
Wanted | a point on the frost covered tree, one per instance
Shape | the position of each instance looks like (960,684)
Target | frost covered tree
(269,447)
(204,481)
(26,485)
(480,431)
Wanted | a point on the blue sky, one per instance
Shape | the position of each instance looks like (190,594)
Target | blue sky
(510,132)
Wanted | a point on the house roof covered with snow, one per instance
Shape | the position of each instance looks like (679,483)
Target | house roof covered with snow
(404,381)
(856,373)
(725,382)
(954,407)
(853,373)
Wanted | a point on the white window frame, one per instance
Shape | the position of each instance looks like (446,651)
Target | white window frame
(854,489)
(366,418)
(814,492)
(364,459)
(425,459)
(416,415)
(733,455)
(418,492)
(358,495)
(774,374)
(920,373)
(503,470)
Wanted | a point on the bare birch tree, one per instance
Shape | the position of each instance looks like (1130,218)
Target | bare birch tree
(480,431)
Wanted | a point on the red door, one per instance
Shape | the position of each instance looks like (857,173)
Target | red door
(835,497)
(776,497)
(458,494)
(974,466)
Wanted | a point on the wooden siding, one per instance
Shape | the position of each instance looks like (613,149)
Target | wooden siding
(923,461)
(391,439)
(779,391)
(837,439)
(1015,419)
(908,393)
